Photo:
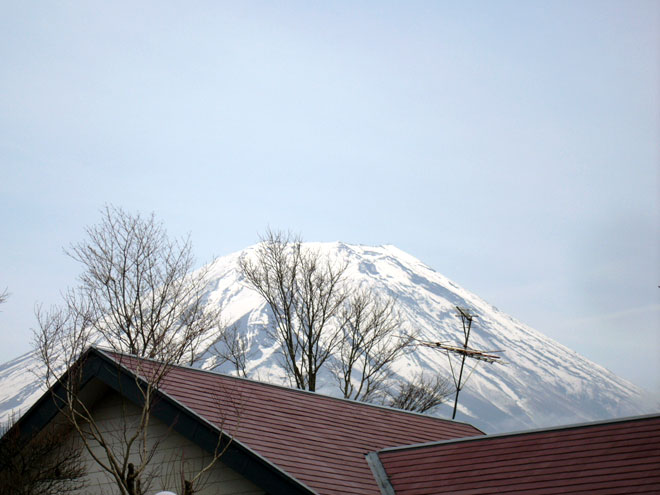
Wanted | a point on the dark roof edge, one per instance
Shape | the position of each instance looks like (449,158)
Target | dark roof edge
(380,475)
(207,423)
(297,390)
(44,409)
(524,432)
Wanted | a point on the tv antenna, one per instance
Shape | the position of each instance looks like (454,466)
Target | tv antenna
(463,352)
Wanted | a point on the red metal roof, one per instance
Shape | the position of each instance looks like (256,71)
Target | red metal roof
(319,440)
(619,457)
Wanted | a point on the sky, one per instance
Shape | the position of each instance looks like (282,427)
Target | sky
(512,146)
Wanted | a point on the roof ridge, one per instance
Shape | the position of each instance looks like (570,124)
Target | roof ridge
(296,390)
(521,433)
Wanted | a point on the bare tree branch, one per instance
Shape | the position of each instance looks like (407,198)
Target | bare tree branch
(304,292)
(233,347)
(139,290)
(421,394)
(136,294)
(41,465)
(318,323)
(194,479)
(371,342)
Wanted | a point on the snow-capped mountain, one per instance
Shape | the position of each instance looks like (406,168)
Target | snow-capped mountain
(542,383)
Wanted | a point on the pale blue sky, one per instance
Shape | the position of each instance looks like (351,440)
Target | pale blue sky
(512,146)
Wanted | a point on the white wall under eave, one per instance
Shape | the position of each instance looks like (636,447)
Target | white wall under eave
(115,418)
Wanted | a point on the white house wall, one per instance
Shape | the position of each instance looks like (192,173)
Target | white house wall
(173,451)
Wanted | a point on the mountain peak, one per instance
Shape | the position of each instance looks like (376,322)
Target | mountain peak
(542,384)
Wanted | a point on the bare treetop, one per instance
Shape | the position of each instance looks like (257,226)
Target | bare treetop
(137,295)
(321,321)
(305,293)
(137,290)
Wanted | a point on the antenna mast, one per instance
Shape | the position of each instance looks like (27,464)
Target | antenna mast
(466,316)
(464,352)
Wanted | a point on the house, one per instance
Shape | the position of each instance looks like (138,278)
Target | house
(284,441)
(621,456)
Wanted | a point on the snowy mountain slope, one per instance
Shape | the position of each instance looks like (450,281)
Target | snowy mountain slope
(542,383)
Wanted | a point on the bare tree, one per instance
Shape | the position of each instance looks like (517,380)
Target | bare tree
(40,465)
(233,347)
(137,295)
(371,342)
(3,296)
(305,293)
(138,288)
(318,323)
(421,394)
